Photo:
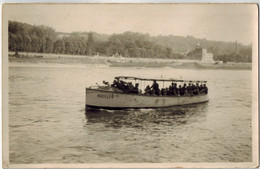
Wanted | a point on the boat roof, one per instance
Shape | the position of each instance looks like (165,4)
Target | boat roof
(157,79)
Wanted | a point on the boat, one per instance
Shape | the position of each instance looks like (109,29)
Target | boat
(109,97)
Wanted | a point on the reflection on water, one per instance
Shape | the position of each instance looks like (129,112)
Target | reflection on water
(140,118)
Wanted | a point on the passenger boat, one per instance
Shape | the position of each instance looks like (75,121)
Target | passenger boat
(108,97)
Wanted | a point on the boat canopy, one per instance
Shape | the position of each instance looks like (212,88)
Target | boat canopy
(161,79)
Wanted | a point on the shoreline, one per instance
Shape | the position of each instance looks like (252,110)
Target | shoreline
(38,59)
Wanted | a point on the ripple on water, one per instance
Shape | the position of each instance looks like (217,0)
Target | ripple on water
(47,116)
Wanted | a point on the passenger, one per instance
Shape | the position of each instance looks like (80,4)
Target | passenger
(189,88)
(196,88)
(152,92)
(183,89)
(155,87)
(173,89)
(123,86)
(119,85)
(163,92)
(159,92)
(193,89)
(147,90)
(201,89)
(205,89)
(179,90)
(168,93)
(114,84)
(130,87)
(135,89)
(170,89)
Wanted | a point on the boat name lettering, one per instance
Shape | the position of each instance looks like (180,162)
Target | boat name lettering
(106,96)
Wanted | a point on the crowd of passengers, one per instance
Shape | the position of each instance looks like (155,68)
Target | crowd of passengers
(172,90)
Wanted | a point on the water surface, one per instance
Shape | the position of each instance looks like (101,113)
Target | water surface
(48,122)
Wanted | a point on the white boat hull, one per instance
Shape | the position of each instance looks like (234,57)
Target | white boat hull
(115,100)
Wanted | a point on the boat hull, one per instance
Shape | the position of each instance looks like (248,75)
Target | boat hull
(113,100)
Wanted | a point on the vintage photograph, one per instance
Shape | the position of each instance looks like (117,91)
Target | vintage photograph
(130,85)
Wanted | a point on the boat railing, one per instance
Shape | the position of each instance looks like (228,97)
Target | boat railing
(94,87)
(112,89)
(106,88)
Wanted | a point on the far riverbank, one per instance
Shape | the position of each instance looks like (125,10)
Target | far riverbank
(43,58)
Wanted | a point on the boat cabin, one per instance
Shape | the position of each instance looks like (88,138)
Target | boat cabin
(131,92)
(158,86)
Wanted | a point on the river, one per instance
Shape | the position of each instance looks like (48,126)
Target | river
(48,122)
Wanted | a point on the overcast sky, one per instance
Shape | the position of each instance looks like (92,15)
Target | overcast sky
(214,22)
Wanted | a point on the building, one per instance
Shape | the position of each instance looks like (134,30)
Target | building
(200,54)
(207,57)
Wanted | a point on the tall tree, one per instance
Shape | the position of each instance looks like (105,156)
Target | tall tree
(90,44)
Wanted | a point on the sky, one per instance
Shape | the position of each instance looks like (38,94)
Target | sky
(221,22)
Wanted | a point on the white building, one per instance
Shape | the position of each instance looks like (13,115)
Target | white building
(207,57)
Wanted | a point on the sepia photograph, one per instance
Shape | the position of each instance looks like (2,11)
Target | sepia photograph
(130,85)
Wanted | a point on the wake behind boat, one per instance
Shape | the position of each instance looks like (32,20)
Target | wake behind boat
(124,95)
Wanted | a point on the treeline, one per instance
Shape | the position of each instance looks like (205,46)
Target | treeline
(27,38)
(136,45)
(24,37)
(31,38)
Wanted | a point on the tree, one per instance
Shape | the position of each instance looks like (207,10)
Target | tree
(49,45)
(68,47)
(89,51)
(27,43)
(59,46)
(107,51)
(169,52)
(90,44)
(12,42)
(19,43)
